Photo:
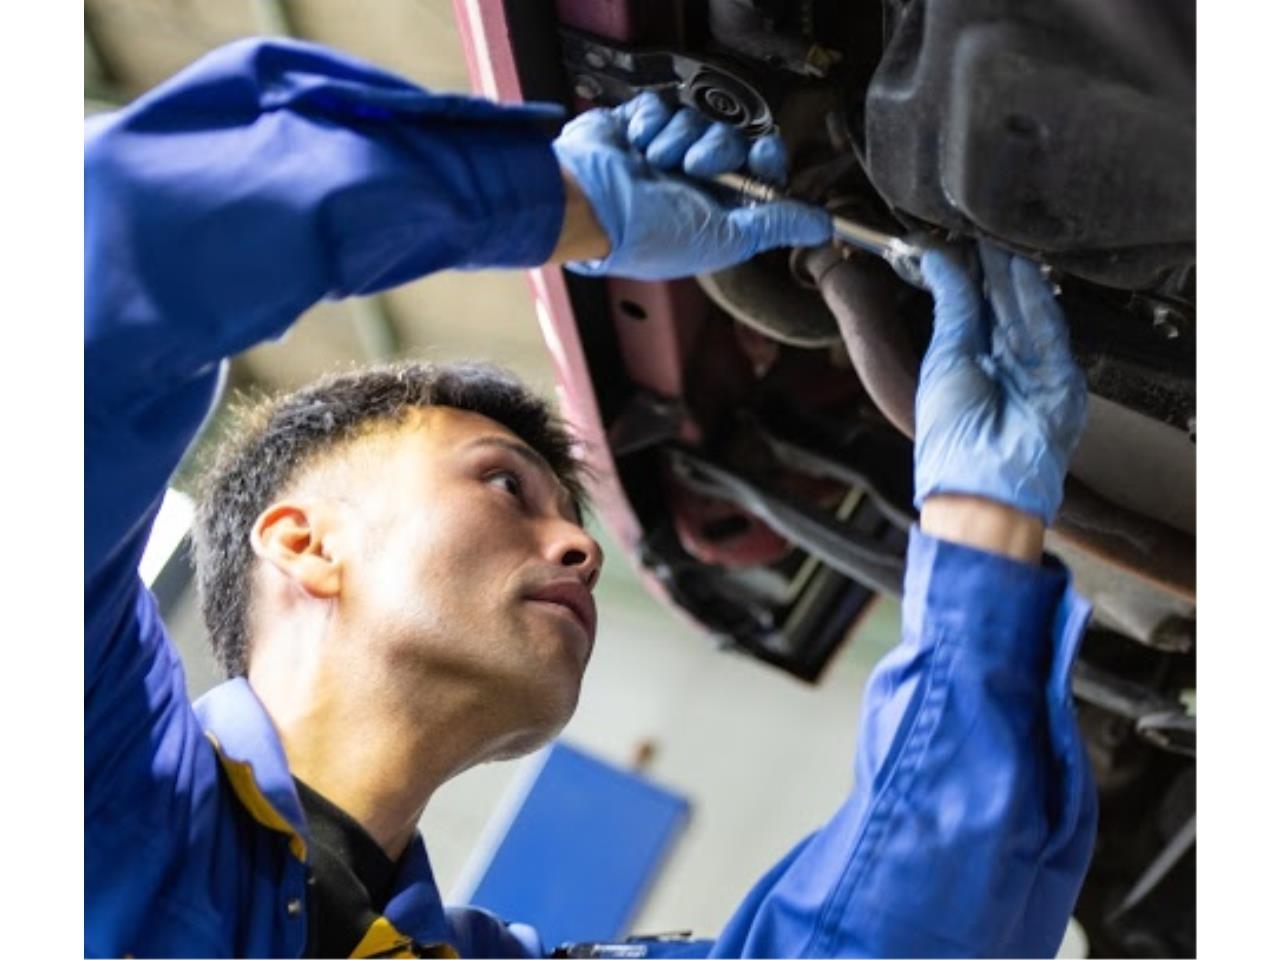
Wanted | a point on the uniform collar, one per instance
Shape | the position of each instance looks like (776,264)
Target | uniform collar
(415,905)
(238,724)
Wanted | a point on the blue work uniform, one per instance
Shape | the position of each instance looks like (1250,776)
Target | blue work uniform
(270,175)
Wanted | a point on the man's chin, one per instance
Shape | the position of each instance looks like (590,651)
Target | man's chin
(558,636)
(539,713)
(528,741)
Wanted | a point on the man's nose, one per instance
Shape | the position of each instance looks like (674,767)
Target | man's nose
(578,550)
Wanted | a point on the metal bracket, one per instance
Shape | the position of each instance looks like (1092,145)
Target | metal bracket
(646,421)
(838,465)
(1164,722)
(856,555)
(613,75)
(1172,730)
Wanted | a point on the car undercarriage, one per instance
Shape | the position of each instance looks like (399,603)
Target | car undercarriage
(754,426)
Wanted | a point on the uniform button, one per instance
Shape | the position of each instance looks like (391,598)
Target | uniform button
(294,907)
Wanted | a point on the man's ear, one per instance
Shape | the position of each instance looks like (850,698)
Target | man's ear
(291,536)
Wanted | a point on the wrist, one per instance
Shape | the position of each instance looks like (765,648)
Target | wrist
(984,524)
(581,236)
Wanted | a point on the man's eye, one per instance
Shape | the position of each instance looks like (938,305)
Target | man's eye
(508,480)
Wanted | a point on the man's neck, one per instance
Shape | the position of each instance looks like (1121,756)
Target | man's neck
(373,754)
(365,767)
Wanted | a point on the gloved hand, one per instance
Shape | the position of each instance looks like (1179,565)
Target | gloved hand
(1001,402)
(659,226)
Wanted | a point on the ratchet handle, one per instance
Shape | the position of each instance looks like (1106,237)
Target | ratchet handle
(901,254)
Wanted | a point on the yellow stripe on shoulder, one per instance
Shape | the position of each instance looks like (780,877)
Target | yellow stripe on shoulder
(251,796)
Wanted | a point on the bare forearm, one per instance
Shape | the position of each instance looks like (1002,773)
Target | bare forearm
(984,524)
(581,236)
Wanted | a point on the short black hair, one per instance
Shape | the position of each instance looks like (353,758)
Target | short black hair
(274,439)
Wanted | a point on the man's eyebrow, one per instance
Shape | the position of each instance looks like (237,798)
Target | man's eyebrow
(535,459)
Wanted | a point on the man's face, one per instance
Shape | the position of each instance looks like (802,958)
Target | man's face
(471,566)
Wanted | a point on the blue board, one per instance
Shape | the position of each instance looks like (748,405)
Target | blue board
(581,850)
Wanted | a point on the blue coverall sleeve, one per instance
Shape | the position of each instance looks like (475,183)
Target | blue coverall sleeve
(218,208)
(972,816)
(263,178)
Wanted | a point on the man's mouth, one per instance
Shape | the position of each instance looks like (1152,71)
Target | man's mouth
(573,597)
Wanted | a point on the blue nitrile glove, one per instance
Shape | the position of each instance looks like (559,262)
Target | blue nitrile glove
(1001,403)
(660,226)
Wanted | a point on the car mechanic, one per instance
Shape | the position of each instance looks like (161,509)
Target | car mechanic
(392,563)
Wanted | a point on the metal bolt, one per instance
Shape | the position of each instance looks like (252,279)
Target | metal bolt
(722,103)
(1188,700)
(1175,634)
(818,60)
(775,641)
(1049,276)
(1161,319)
(293,907)
(588,88)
